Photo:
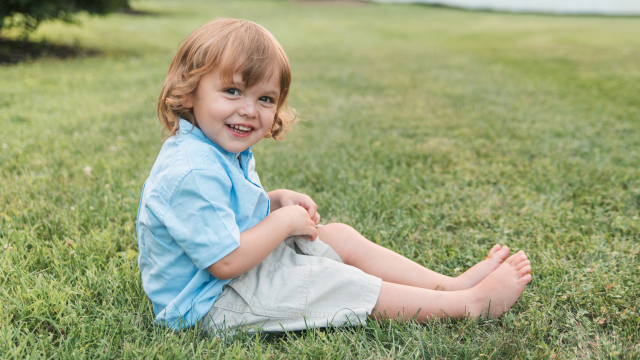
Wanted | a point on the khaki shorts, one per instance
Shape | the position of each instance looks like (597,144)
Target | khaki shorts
(302,284)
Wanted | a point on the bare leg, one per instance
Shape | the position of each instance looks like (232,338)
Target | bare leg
(355,250)
(493,295)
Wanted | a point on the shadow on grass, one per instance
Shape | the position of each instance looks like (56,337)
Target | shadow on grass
(131,11)
(16,51)
(331,2)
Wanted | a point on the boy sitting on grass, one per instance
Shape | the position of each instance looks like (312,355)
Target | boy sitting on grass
(216,248)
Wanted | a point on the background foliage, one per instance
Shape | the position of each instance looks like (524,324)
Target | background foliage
(433,131)
(28,14)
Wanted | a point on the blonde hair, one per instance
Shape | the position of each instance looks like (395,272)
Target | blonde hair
(228,46)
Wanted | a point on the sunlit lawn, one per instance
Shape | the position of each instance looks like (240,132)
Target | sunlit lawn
(435,132)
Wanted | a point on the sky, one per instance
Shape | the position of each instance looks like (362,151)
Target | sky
(612,7)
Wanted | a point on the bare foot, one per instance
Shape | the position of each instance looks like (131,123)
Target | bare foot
(502,288)
(479,271)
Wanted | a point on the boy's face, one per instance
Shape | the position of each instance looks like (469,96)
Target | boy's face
(234,117)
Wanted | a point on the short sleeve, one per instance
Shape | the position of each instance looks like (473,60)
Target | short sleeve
(200,219)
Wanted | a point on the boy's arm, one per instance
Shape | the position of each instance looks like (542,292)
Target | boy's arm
(259,241)
(283,197)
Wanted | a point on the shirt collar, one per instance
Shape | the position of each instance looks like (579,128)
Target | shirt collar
(185,128)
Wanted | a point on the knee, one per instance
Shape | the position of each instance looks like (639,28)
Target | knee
(342,238)
(336,231)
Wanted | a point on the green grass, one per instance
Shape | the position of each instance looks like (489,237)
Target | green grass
(434,132)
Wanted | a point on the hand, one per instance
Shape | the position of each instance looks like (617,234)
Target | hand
(287,198)
(299,220)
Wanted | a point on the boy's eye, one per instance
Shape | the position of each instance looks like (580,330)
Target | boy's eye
(232,91)
(266,99)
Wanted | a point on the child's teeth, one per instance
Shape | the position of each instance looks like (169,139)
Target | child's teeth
(241,128)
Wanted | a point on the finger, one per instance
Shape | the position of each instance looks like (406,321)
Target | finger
(317,219)
(314,234)
(313,231)
(304,207)
(313,209)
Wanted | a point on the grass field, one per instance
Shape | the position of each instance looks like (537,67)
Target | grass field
(435,132)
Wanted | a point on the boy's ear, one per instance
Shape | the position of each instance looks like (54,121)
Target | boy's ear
(188,102)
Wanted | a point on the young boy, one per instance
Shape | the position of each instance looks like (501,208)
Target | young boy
(215,247)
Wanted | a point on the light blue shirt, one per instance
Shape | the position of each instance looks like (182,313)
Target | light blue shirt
(194,205)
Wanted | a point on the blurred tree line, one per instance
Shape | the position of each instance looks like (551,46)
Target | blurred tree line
(27,15)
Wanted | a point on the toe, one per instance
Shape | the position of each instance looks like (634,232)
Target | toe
(522,264)
(518,258)
(502,254)
(525,270)
(514,258)
(494,250)
(525,279)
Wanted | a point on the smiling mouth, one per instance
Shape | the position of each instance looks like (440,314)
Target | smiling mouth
(240,129)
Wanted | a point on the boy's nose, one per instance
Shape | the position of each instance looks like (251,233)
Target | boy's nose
(248,109)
